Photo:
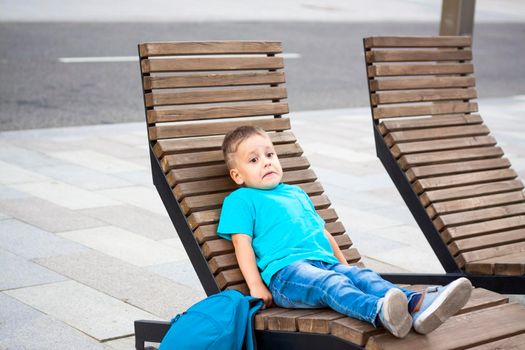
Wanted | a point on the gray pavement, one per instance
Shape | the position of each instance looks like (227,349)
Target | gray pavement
(86,246)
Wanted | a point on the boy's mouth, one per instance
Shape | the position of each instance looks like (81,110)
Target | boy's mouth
(269,173)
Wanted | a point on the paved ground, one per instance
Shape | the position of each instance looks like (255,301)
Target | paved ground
(86,246)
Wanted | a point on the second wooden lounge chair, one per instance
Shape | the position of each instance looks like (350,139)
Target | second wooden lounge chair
(465,197)
(195,92)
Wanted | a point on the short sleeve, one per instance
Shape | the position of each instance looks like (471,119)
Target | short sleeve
(237,216)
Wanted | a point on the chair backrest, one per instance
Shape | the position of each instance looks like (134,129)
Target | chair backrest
(194,93)
(422,92)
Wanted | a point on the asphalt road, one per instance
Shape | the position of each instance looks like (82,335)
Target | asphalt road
(38,91)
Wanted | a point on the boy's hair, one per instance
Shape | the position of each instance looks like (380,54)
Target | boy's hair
(235,137)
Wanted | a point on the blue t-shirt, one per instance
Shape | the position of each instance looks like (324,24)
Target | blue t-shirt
(282,222)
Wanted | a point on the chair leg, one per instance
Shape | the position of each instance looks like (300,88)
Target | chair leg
(151,331)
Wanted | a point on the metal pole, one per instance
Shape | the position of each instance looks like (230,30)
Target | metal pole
(457,17)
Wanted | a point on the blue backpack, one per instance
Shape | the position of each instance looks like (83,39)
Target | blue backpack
(219,322)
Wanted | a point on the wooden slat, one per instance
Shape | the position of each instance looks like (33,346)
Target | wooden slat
(205,233)
(217,128)
(474,203)
(209,47)
(210,143)
(208,80)
(335,228)
(514,343)
(492,252)
(441,145)
(417,55)
(343,241)
(486,241)
(215,96)
(353,330)
(393,70)
(351,255)
(482,299)
(391,125)
(507,265)
(469,191)
(203,113)
(209,171)
(425,95)
(214,157)
(456,168)
(435,133)
(318,323)
(468,217)
(486,227)
(225,184)
(417,41)
(436,183)
(416,110)
(223,262)
(210,64)
(462,155)
(462,331)
(421,83)
(229,277)
(287,321)
(261,317)
(216,247)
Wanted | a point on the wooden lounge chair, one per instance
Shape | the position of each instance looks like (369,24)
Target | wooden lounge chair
(449,170)
(194,92)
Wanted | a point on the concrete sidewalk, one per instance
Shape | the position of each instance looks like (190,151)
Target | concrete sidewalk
(86,246)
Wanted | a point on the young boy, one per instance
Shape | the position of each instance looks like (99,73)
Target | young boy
(286,256)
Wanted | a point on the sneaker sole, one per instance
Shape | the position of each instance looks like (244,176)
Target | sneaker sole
(397,313)
(446,304)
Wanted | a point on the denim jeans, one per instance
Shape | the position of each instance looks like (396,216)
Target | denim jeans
(350,290)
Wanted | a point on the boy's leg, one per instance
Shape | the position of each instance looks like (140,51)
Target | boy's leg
(306,284)
(369,281)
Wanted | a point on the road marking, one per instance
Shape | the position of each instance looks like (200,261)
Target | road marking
(106,59)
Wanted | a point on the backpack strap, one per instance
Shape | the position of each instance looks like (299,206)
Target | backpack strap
(249,340)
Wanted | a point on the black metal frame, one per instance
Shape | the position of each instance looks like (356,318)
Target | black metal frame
(497,283)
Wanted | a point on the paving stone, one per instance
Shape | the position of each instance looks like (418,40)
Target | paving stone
(12,174)
(110,147)
(31,242)
(10,193)
(46,215)
(96,161)
(181,272)
(139,196)
(121,344)
(17,272)
(124,245)
(26,159)
(65,195)
(408,258)
(24,328)
(83,177)
(86,309)
(136,286)
(139,177)
(136,220)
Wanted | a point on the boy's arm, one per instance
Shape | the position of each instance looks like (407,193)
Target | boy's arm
(337,251)
(246,259)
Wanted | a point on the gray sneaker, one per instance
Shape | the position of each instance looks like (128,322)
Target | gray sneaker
(394,315)
(439,303)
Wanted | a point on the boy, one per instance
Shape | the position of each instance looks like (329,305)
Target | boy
(286,256)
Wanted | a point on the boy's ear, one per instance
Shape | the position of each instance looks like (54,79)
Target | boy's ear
(236,176)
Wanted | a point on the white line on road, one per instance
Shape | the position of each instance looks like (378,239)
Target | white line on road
(106,59)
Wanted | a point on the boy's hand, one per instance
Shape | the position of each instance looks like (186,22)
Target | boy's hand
(260,291)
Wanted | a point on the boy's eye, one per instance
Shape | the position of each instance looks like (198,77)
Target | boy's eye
(253,160)
(269,155)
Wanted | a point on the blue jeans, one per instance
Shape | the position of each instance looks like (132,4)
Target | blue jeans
(350,290)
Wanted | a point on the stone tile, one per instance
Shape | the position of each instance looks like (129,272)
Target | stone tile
(31,242)
(83,177)
(124,245)
(139,177)
(13,174)
(46,215)
(139,196)
(23,327)
(181,272)
(408,258)
(4,216)
(83,308)
(135,286)
(121,344)
(10,193)
(336,151)
(96,161)
(65,195)
(26,159)
(380,266)
(17,272)
(109,146)
(136,220)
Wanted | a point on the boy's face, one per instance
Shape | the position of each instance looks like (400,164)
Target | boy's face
(255,164)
